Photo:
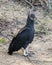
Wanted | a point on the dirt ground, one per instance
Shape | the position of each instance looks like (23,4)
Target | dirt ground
(41,47)
(40,53)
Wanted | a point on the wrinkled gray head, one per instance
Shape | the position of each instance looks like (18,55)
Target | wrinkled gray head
(31,15)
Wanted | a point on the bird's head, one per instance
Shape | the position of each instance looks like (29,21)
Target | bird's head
(31,15)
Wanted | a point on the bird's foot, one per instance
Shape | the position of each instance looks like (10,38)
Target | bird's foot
(25,54)
(30,53)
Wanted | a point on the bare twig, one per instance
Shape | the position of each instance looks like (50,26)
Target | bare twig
(6,36)
(30,60)
(28,3)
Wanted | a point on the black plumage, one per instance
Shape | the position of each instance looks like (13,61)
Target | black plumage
(24,37)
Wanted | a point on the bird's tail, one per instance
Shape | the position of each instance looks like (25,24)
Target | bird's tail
(10,50)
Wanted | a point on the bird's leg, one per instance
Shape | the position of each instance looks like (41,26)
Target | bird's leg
(26,51)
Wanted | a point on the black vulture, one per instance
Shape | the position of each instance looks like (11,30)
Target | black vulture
(24,37)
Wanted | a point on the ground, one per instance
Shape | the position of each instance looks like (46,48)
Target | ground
(13,17)
(40,49)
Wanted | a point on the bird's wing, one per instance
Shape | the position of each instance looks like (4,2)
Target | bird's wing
(24,28)
(23,34)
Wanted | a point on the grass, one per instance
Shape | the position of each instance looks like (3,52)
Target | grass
(2,40)
(43,26)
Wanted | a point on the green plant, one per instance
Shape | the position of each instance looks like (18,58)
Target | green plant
(2,40)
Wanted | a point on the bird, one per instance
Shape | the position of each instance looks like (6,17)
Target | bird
(24,37)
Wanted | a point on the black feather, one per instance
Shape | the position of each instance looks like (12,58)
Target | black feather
(24,37)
